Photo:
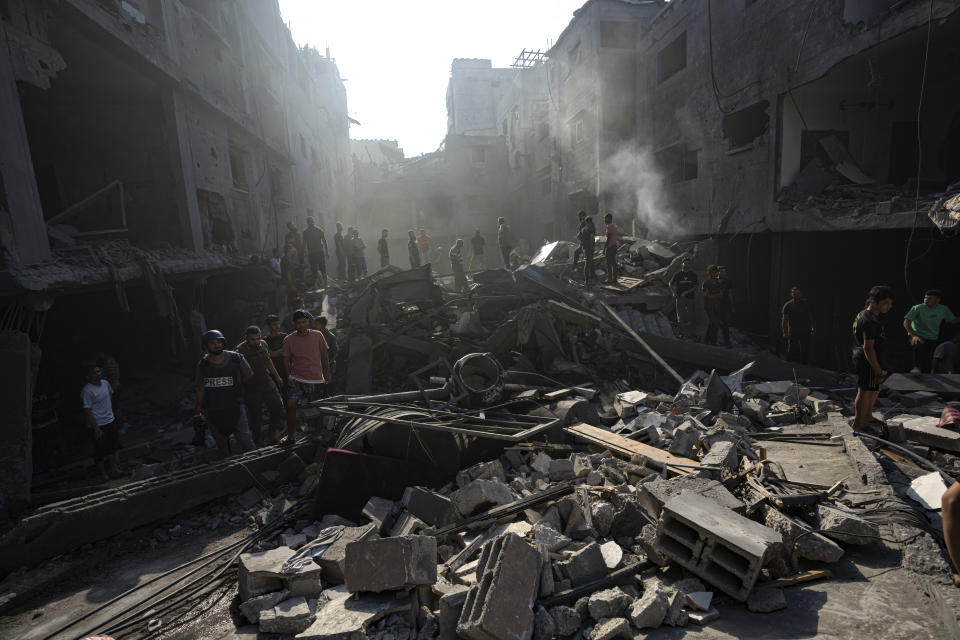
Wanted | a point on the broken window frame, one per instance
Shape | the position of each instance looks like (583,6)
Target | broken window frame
(678,162)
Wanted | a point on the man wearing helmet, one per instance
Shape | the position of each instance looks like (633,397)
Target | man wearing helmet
(219,380)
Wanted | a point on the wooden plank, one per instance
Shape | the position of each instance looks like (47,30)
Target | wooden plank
(624,284)
(806,576)
(629,448)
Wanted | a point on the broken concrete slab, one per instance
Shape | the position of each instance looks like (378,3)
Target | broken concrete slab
(544,628)
(500,605)
(481,494)
(332,560)
(721,454)
(346,617)
(381,512)
(798,538)
(845,526)
(699,600)
(612,554)
(653,493)
(390,563)
(549,537)
(702,618)
(766,600)
(608,603)
(928,490)
(609,628)
(261,572)
(492,470)
(289,617)
(431,507)
(924,431)
(252,608)
(585,565)
(566,620)
(718,545)
(651,608)
(451,605)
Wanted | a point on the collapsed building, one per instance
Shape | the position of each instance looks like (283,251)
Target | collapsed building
(149,149)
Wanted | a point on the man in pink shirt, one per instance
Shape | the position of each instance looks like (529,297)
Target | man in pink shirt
(305,357)
(610,249)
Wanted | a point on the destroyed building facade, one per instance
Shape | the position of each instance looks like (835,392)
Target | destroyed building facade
(147,146)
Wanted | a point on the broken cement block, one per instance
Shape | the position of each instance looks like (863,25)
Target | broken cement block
(429,506)
(648,542)
(566,620)
(930,435)
(609,628)
(608,603)
(289,617)
(625,404)
(594,479)
(721,454)
(451,604)
(676,616)
(492,470)
(252,608)
(500,605)
(481,494)
(612,554)
(766,600)
(685,438)
(844,526)
(653,493)
(585,565)
(628,521)
(928,490)
(549,537)
(651,608)
(561,470)
(718,545)
(304,581)
(260,572)
(332,560)
(702,618)
(343,617)
(602,514)
(541,463)
(380,511)
(390,563)
(407,525)
(581,465)
(796,538)
(543,625)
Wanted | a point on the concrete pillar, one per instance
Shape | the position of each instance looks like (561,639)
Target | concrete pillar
(20,361)
(21,215)
(178,137)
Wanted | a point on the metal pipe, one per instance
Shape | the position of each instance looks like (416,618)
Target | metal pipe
(911,454)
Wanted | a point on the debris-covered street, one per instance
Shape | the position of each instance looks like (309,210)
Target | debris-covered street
(597,381)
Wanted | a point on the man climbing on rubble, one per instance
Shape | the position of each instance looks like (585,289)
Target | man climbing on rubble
(360,260)
(922,323)
(340,252)
(305,358)
(868,336)
(260,389)
(315,246)
(413,249)
(219,382)
(504,240)
(97,400)
(477,243)
(383,249)
(796,324)
(684,285)
(456,264)
(588,238)
(713,295)
(610,249)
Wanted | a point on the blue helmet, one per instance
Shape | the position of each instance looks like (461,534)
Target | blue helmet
(213,334)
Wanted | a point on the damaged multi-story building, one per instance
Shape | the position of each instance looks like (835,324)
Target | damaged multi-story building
(808,140)
(150,148)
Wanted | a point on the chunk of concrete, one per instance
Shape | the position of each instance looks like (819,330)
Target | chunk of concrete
(492,470)
(380,512)
(685,438)
(431,507)
(451,605)
(721,454)
(702,618)
(653,493)
(609,628)
(390,563)
(845,526)
(928,490)
(561,470)
(566,620)
(252,608)
(343,617)
(612,554)
(332,560)
(289,617)
(585,565)
(541,463)
(481,494)
(581,466)
(549,537)
(700,600)
(628,521)
(608,603)
(293,540)
(407,524)
(500,605)
(261,572)
(766,600)
(649,610)
(796,537)
(930,435)
(544,627)
(602,514)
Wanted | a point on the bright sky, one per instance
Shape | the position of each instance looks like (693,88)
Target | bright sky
(395,56)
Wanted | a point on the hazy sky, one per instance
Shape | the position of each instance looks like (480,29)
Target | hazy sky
(395,56)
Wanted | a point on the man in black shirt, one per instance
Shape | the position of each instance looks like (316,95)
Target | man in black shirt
(274,340)
(340,251)
(413,249)
(868,336)
(713,295)
(477,243)
(219,382)
(684,285)
(796,323)
(260,390)
(315,246)
(383,249)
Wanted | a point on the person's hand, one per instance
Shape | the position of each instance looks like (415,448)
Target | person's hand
(97,433)
(916,340)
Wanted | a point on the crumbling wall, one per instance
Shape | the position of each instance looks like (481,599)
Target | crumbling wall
(21,359)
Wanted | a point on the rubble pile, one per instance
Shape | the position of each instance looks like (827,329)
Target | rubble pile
(662,509)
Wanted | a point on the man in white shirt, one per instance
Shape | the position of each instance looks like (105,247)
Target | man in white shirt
(98,408)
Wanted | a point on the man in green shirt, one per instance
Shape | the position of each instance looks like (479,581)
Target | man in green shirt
(922,323)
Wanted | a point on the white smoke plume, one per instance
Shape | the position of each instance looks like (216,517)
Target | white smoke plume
(635,183)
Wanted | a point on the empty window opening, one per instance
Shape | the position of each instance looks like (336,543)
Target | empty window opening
(678,163)
(238,169)
(618,35)
(672,58)
(742,127)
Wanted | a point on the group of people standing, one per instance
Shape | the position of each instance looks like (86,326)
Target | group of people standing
(718,301)
(587,247)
